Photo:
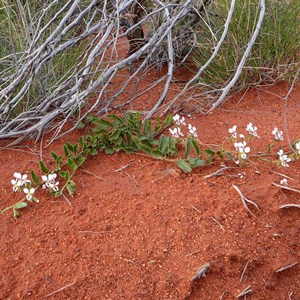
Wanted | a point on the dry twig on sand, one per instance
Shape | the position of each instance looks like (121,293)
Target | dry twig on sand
(245,292)
(281,269)
(246,201)
(201,272)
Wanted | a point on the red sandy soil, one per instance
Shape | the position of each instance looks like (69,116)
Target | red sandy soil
(142,232)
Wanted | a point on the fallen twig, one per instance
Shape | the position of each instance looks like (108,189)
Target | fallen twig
(246,200)
(245,268)
(286,187)
(90,173)
(193,253)
(281,269)
(245,292)
(218,172)
(222,227)
(59,290)
(136,183)
(124,167)
(196,209)
(290,205)
(283,175)
(201,272)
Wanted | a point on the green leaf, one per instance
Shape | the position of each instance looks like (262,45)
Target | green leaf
(220,154)
(157,154)
(144,148)
(75,147)
(54,155)
(129,150)
(104,122)
(72,164)
(229,155)
(210,152)
(163,143)
(35,178)
(196,147)
(70,147)
(115,135)
(187,148)
(58,163)
(198,163)
(71,187)
(94,151)
(43,167)
(67,175)
(62,174)
(136,140)
(109,151)
(20,205)
(66,151)
(183,165)
(81,141)
(80,160)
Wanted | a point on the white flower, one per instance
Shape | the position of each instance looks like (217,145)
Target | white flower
(284,159)
(252,130)
(284,182)
(29,193)
(176,132)
(49,182)
(242,148)
(21,178)
(178,120)
(19,181)
(277,134)
(232,131)
(297,145)
(192,130)
(16,184)
(241,136)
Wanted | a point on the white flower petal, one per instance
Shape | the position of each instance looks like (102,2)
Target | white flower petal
(17,175)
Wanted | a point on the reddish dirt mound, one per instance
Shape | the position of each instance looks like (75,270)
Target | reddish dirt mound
(141,229)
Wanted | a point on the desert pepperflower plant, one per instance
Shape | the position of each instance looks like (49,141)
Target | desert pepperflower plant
(130,134)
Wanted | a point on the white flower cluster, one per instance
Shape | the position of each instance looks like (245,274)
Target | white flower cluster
(283,158)
(21,180)
(176,132)
(242,148)
(252,130)
(233,131)
(49,182)
(179,121)
(278,135)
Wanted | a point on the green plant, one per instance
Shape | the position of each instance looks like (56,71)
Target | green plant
(130,134)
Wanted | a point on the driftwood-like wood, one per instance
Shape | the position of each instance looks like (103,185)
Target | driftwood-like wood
(159,33)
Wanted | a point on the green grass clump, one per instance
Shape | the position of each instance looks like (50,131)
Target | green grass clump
(275,55)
